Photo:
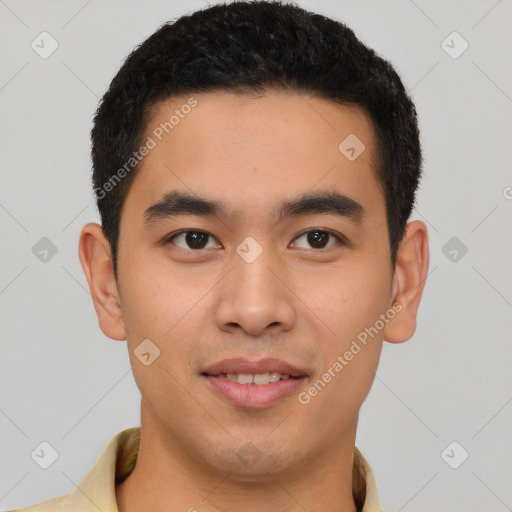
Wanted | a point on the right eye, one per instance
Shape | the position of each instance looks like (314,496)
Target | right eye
(195,240)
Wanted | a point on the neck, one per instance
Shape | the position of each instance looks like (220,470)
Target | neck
(166,478)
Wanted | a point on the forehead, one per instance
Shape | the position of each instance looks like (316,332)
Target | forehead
(246,148)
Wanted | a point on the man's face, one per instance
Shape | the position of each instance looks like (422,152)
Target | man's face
(251,284)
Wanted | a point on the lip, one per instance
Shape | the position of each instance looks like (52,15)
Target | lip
(253,395)
(242,365)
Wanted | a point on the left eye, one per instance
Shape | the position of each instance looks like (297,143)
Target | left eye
(317,239)
(192,240)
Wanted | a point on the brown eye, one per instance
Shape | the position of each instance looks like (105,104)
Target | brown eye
(317,239)
(195,240)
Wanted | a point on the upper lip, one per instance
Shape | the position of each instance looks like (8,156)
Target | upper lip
(243,365)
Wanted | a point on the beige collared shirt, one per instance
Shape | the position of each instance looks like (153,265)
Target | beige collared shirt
(96,490)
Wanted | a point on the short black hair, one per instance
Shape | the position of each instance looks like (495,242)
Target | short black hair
(255,46)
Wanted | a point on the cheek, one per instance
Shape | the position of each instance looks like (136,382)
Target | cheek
(156,298)
(158,305)
(349,306)
(356,300)
(346,299)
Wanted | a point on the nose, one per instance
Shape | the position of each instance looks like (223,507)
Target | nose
(254,297)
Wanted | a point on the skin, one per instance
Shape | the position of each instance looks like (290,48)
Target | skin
(295,302)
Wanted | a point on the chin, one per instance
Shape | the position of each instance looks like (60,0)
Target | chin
(249,458)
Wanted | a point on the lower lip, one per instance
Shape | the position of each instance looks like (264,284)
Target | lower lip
(253,395)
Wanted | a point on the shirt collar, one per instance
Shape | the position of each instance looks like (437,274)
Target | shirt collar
(96,490)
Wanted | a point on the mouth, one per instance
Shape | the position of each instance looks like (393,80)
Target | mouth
(258,379)
(254,384)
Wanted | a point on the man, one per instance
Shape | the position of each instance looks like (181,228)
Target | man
(255,166)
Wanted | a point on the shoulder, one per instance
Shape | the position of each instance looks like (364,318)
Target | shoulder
(56,504)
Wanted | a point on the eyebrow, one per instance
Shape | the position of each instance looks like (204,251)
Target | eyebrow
(177,203)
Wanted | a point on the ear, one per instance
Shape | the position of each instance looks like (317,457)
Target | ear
(408,282)
(95,256)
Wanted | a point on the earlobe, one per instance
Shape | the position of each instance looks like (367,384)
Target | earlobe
(95,257)
(408,282)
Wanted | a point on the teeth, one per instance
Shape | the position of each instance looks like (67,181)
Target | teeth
(259,378)
(245,378)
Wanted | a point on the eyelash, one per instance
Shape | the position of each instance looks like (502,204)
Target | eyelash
(339,238)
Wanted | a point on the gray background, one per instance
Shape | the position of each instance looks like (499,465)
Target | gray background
(62,381)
